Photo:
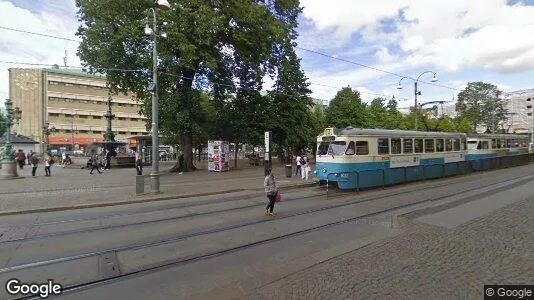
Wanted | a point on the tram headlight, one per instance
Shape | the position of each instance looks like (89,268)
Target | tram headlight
(324,170)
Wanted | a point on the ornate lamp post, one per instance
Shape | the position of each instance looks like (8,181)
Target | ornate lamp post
(47,130)
(154,174)
(417,92)
(109,136)
(9,166)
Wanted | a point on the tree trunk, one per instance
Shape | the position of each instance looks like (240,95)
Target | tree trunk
(235,155)
(187,151)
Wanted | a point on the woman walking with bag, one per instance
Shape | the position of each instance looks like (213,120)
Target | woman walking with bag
(271,190)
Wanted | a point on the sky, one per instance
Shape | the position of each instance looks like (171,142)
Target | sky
(460,41)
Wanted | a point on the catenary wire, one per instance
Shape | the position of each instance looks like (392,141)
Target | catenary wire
(296,47)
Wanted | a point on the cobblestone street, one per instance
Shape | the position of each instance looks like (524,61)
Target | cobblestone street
(424,262)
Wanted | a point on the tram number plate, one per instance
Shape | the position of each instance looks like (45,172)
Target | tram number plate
(344,175)
(385,158)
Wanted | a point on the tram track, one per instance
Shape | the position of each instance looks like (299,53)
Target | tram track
(336,195)
(495,187)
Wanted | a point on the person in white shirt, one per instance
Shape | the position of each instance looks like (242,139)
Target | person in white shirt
(63,159)
(305,168)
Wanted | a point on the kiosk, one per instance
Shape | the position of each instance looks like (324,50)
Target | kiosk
(218,156)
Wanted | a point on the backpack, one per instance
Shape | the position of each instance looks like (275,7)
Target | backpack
(302,161)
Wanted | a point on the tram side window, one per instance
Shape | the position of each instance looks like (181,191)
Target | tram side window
(418,145)
(429,145)
(350,149)
(485,144)
(439,145)
(448,145)
(498,144)
(362,148)
(464,144)
(408,145)
(395,146)
(493,143)
(456,144)
(383,146)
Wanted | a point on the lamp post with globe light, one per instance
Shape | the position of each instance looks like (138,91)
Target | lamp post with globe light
(417,92)
(153,88)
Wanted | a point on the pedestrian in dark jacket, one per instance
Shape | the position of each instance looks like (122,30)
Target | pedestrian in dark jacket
(34,161)
(96,164)
(139,164)
(271,189)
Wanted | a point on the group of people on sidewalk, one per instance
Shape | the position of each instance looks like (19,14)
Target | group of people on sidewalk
(303,167)
(33,161)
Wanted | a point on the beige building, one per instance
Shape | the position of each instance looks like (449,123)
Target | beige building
(74,103)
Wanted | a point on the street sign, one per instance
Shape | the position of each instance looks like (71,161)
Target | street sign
(267,140)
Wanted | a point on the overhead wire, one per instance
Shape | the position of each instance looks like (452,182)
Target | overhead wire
(297,47)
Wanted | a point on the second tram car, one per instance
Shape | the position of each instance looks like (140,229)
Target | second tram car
(489,145)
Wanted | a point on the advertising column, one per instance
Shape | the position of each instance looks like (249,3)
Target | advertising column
(218,156)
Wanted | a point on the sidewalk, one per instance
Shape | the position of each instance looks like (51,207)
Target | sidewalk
(71,188)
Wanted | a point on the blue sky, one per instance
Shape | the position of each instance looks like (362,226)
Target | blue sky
(461,41)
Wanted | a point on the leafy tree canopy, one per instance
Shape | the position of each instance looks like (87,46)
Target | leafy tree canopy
(208,45)
(481,105)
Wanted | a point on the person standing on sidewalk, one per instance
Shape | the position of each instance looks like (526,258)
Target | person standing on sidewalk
(299,165)
(305,168)
(139,164)
(34,161)
(48,162)
(271,189)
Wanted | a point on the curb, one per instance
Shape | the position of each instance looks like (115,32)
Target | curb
(138,201)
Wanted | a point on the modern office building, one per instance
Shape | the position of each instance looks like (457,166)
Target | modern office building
(521,119)
(73,104)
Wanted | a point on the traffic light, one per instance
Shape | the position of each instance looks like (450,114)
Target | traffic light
(529,105)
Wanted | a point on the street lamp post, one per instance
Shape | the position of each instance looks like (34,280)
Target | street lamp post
(47,130)
(153,88)
(417,92)
(9,166)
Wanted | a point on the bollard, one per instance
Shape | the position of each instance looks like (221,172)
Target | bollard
(139,184)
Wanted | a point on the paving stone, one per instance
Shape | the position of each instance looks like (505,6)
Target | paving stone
(424,262)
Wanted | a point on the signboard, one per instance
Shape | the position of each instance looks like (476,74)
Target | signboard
(404,161)
(453,157)
(267,141)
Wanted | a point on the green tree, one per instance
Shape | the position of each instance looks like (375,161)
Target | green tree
(480,103)
(394,116)
(346,109)
(206,41)
(377,114)
(290,116)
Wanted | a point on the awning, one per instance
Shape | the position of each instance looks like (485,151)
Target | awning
(57,140)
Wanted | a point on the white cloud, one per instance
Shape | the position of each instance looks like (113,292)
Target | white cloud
(450,35)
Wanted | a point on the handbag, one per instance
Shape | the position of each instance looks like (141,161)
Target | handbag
(278,197)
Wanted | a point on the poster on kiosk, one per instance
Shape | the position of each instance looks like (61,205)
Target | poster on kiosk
(218,156)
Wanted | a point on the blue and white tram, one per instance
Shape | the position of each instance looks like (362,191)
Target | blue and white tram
(357,158)
(489,145)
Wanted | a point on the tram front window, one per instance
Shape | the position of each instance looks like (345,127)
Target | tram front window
(323,148)
(337,148)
